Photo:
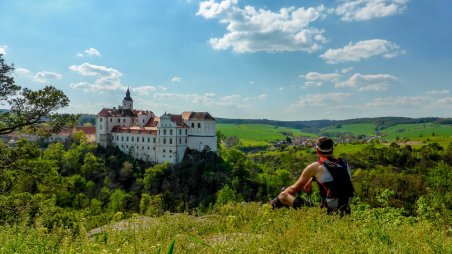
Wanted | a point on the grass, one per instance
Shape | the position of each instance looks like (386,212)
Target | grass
(416,130)
(367,129)
(245,228)
(258,134)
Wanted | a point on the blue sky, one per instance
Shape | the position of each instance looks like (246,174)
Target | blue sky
(283,60)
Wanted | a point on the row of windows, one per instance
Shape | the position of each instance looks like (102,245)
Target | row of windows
(171,132)
(142,148)
(137,139)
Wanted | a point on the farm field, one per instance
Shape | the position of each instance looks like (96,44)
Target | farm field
(258,134)
(416,130)
(367,129)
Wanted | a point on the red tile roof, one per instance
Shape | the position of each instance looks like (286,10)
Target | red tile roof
(88,130)
(105,112)
(197,116)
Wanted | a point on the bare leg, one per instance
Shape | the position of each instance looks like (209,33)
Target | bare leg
(286,198)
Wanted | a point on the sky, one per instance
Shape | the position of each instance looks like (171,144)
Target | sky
(266,59)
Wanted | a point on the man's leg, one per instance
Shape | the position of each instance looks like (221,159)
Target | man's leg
(288,200)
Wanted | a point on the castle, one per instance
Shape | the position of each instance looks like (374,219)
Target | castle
(151,138)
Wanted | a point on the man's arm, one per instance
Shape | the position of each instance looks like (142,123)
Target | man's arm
(287,197)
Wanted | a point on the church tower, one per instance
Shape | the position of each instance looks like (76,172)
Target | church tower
(127,102)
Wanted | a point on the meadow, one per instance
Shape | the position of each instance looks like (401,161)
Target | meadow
(244,228)
(367,129)
(259,134)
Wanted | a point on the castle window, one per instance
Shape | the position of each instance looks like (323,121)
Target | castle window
(164,150)
(171,132)
(159,131)
(127,146)
(123,120)
(199,125)
(127,138)
(180,132)
(117,138)
(119,120)
(143,120)
(142,147)
(153,140)
(170,151)
(180,141)
(153,148)
(122,146)
(148,147)
(193,125)
(100,120)
(164,132)
(111,120)
(122,138)
(186,131)
(171,141)
(149,140)
(164,141)
(132,139)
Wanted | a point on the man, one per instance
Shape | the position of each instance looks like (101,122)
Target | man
(333,177)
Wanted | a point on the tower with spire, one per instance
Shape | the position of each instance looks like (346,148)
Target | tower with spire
(127,102)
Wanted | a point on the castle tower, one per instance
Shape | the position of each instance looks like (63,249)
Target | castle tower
(127,102)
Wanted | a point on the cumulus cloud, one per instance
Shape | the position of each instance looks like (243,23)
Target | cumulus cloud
(176,79)
(46,76)
(262,96)
(252,30)
(362,50)
(372,82)
(22,71)
(399,101)
(357,10)
(107,79)
(438,92)
(320,100)
(3,49)
(317,79)
(89,52)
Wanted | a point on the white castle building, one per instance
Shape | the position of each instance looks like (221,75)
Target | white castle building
(152,138)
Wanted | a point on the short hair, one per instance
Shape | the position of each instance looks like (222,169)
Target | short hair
(324,145)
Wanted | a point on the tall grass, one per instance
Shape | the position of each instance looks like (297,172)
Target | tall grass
(245,228)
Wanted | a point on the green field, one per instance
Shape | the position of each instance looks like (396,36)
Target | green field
(416,130)
(367,129)
(258,134)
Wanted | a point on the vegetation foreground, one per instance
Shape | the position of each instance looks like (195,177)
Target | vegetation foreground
(243,228)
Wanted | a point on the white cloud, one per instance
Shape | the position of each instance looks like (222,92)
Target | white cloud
(46,76)
(145,90)
(280,88)
(320,100)
(438,92)
(375,87)
(400,101)
(176,79)
(3,49)
(106,79)
(22,71)
(231,98)
(89,52)
(362,50)
(372,82)
(317,79)
(262,96)
(357,10)
(346,70)
(252,30)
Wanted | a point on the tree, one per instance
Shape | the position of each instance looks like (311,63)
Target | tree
(32,109)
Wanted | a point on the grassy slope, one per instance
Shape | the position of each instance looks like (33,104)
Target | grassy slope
(355,129)
(255,134)
(248,228)
(416,130)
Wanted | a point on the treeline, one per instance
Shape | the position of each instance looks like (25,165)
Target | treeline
(315,126)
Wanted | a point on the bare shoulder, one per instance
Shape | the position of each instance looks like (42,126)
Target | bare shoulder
(313,167)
